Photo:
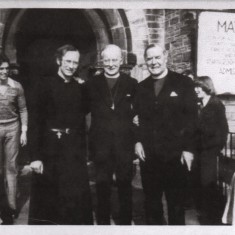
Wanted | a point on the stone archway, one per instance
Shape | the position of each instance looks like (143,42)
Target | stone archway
(106,25)
(126,28)
(32,36)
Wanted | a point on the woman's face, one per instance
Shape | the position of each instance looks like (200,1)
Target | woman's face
(200,92)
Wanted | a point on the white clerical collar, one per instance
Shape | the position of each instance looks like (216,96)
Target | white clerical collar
(116,76)
(63,77)
(162,75)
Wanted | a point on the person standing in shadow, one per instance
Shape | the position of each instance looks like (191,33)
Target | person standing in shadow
(212,130)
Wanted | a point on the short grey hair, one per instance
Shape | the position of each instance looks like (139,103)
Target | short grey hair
(152,46)
(110,46)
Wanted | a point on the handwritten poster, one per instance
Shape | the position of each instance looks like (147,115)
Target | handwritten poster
(216,49)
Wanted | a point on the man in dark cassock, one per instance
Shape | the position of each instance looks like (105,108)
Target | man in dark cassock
(60,185)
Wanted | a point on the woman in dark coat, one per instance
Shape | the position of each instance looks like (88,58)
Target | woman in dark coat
(212,136)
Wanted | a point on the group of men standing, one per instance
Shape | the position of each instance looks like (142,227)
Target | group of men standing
(163,139)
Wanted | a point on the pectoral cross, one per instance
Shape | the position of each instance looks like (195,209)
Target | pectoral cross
(59,134)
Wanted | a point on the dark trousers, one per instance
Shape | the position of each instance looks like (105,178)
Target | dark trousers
(192,196)
(125,203)
(170,178)
(113,155)
(211,202)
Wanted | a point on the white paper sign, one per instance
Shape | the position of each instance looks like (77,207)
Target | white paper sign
(216,49)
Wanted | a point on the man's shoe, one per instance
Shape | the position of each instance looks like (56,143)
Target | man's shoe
(7,220)
(8,215)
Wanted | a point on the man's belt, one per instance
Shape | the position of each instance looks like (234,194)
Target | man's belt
(59,132)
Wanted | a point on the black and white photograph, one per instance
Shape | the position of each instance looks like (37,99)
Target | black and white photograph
(117,117)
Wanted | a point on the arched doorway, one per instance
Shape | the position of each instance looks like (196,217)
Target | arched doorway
(40,31)
(32,35)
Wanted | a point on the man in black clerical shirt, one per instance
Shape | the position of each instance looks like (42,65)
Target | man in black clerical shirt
(110,97)
(60,186)
(166,107)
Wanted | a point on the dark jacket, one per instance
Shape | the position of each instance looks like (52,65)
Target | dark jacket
(212,125)
(107,124)
(167,123)
(212,136)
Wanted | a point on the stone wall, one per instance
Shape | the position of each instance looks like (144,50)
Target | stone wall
(139,32)
(156,25)
(3,17)
(180,38)
(174,28)
(154,22)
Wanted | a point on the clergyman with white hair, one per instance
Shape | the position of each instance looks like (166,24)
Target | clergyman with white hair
(111,96)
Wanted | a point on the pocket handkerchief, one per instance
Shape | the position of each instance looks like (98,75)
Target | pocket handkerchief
(173,93)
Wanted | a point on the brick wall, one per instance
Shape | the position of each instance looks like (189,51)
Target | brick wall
(176,29)
(180,36)
(156,20)
(181,40)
